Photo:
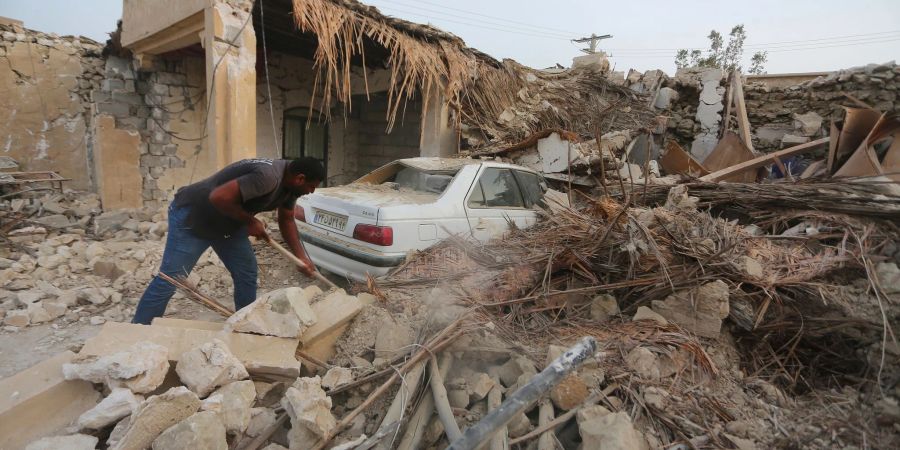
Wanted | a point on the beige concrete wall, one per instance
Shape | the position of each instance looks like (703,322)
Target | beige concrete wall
(143,18)
(118,157)
(44,88)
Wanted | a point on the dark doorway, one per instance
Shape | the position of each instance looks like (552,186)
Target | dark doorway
(304,137)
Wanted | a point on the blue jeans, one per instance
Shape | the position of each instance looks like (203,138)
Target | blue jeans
(183,249)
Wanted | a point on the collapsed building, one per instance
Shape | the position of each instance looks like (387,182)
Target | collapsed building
(727,243)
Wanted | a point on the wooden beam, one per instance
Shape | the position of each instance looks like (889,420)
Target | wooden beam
(333,311)
(742,119)
(761,161)
(729,100)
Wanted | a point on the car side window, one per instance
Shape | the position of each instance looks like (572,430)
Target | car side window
(531,188)
(496,188)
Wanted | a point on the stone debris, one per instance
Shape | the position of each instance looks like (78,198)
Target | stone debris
(142,368)
(155,415)
(310,411)
(516,367)
(603,307)
(202,430)
(232,403)
(70,442)
(392,337)
(209,366)
(612,431)
(336,377)
(260,420)
(569,393)
(643,362)
(283,313)
(699,310)
(119,403)
(478,385)
(645,313)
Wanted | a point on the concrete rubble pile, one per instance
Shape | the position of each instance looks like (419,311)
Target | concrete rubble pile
(68,262)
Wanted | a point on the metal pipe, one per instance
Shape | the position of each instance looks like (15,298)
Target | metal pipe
(482,431)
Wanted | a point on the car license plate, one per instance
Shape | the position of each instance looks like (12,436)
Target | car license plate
(329,220)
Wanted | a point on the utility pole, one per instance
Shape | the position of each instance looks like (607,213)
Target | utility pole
(593,40)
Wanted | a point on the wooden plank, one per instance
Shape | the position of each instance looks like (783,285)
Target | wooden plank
(729,100)
(765,159)
(675,160)
(730,151)
(263,355)
(742,119)
(193,324)
(834,135)
(333,311)
(38,402)
(858,123)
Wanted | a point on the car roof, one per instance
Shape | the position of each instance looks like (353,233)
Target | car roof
(436,164)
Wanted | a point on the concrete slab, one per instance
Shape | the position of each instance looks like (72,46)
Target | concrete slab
(262,355)
(38,402)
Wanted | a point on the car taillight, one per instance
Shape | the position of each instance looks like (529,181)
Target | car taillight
(299,214)
(374,234)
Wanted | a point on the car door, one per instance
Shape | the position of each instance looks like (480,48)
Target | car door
(494,200)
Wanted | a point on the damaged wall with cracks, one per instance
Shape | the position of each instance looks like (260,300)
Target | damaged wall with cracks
(45,85)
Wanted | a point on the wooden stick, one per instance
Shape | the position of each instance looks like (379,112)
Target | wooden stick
(545,416)
(758,162)
(500,439)
(299,262)
(404,394)
(261,439)
(195,294)
(415,430)
(438,342)
(553,423)
(439,392)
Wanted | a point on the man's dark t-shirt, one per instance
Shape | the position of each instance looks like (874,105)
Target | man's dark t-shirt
(262,189)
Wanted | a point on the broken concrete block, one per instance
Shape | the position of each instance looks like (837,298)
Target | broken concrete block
(790,140)
(17,318)
(140,368)
(107,269)
(54,309)
(110,221)
(337,376)
(392,337)
(645,313)
(283,313)
(38,402)
(202,430)
(70,442)
(698,310)
(37,313)
(643,362)
(555,153)
(155,415)
(458,398)
(611,432)
(209,366)
(510,372)
(808,124)
(518,426)
(274,446)
(665,97)
(478,385)
(750,267)
(888,277)
(603,307)
(589,413)
(232,403)
(260,420)
(569,393)
(310,411)
(332,312)
(119,403)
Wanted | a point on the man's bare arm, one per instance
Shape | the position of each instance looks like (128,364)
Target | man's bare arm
(227,199)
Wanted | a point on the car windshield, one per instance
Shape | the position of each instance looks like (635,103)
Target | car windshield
(420,181)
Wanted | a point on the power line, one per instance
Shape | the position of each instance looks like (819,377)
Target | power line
(529,25)
(751,45)
(779,49)
(669,55)
(505,30)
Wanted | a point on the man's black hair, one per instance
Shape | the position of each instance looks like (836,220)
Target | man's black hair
(310,167)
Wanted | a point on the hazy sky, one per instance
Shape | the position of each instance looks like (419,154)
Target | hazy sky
(800,35)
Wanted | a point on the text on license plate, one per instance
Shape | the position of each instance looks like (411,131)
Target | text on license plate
(330,220)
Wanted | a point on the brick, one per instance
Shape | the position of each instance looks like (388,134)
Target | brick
(111,85)
(114,109)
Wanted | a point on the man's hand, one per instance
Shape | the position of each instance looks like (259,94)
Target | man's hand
(257,229)
(308,269)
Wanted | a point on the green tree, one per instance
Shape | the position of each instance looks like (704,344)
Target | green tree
(721,55)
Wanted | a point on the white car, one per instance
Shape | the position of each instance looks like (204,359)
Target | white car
(370,225)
